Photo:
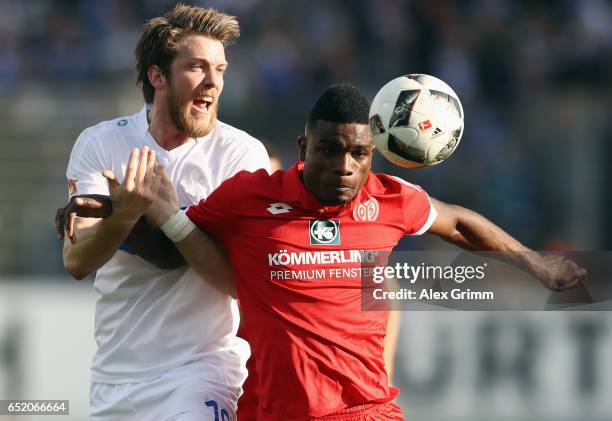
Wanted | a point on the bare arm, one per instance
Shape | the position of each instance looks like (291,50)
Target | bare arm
(208,260)
(201,251)
(99,239)
(144,239)
(150,243)
(471,231)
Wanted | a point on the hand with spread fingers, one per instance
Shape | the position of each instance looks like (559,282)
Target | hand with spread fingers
(145,239)
(131,198)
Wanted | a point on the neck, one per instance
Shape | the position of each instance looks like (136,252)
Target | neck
(322,201)
(162,128)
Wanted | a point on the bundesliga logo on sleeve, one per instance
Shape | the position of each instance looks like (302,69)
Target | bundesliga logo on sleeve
(72,187)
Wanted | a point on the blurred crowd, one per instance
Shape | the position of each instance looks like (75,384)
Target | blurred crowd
(534,78)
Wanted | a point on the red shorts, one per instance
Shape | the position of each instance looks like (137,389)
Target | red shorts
(388,411)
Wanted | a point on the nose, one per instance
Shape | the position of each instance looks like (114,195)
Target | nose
(212,78)
(344,165)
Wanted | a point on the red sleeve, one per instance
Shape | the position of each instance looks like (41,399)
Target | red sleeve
(419,213)
(215,213)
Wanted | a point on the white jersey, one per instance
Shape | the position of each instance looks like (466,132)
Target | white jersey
(150,320)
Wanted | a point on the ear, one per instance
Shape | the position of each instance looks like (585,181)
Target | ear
(156,76)
(301,141)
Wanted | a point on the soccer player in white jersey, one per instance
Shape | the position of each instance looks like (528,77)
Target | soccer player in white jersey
(167,348)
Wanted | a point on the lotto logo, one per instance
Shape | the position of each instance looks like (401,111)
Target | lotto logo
(324,232)
(276,208)
(425,125)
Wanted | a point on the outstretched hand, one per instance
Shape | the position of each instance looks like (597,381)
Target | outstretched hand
(558,273)
(128,200)
(134,195)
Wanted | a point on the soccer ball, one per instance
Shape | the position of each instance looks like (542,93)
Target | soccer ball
(416,121)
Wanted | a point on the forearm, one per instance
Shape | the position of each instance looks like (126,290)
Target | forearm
(150,243)
(476,233)
(201,252)
(144,240)
(208,260)
(472,231)
(97,243)
(100,238)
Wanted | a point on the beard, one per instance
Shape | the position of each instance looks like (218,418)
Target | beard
(179,108)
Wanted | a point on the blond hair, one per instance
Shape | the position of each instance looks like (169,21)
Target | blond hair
(158,43)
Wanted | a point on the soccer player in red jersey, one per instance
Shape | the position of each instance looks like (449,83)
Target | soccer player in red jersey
(247,405)
(290,235)
(294,239)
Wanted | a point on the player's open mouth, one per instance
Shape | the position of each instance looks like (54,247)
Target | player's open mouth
(204,104)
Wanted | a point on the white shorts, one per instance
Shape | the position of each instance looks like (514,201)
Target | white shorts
(185,393)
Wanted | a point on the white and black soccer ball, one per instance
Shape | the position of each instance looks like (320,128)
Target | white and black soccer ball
(416,121)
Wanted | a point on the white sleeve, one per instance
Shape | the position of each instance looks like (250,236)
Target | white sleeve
(251,157)
(85,167)
(433,214)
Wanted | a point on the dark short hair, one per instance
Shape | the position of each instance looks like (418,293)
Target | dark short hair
(341,103)
(159,41)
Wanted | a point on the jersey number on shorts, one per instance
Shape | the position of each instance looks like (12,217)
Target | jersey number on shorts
(224,414)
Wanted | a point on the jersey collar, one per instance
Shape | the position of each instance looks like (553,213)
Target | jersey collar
(294,192)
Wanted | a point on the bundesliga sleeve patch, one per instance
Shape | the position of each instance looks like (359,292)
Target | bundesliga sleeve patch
(72,187)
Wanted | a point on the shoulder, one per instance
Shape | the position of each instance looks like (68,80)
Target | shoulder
(242,151)
(395,191)
(246,184)
(406,199)
(242,188)
(232,136)
(108,130)
(379,183)
(252,181)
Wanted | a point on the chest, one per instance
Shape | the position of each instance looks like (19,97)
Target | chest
(195,170)
(305,251)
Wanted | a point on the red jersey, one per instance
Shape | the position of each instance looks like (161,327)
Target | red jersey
(249,400)
(316,351)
